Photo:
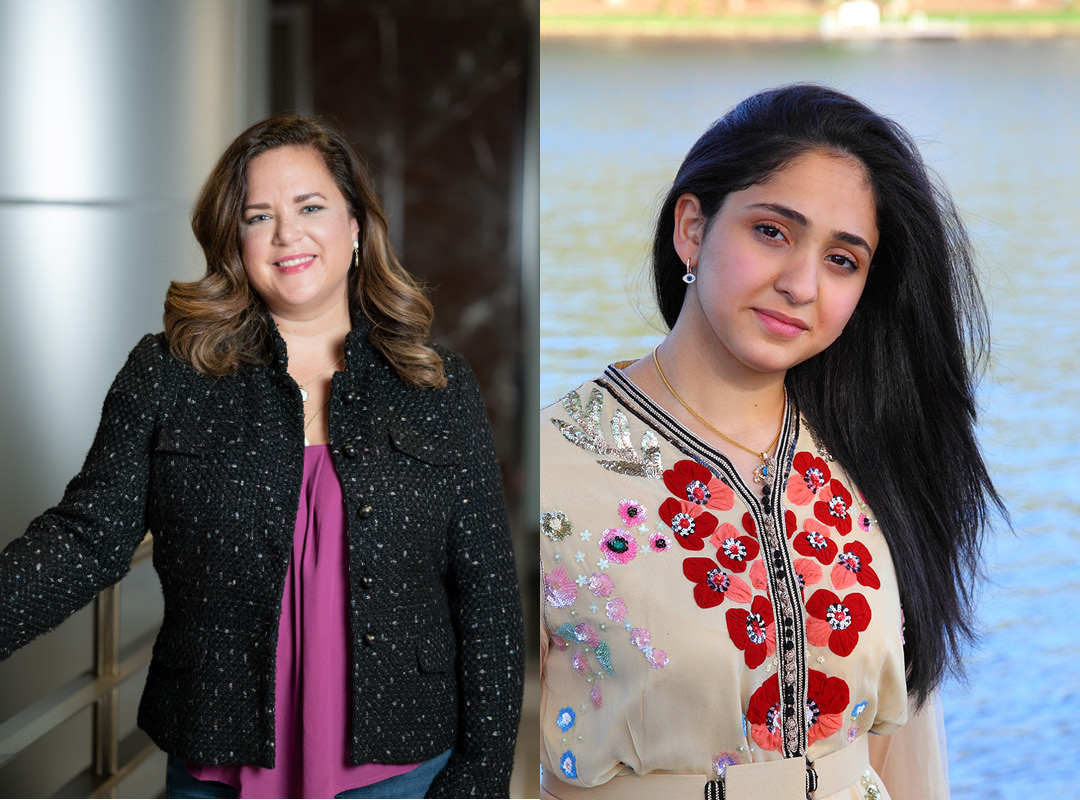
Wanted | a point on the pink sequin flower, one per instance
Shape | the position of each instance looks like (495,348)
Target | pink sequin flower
(600,584)
(580,661)
(616,610)
(560,590)
(618,545)
(633,513)
(658,659)
(640,638)
(660,542)
(597,697)
(586,633)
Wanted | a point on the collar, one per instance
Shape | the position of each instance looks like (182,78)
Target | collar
(359,352)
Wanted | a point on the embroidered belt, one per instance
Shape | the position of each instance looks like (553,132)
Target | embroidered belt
(783,779)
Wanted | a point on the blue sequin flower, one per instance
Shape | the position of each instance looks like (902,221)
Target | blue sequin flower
(566,719)
(568,764)
(858,709)
(722,761)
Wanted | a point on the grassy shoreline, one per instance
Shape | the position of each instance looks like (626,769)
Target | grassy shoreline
(975,24)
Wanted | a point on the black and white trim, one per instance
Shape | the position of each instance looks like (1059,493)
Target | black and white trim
(768,515)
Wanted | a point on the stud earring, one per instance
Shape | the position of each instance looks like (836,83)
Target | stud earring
(689,277)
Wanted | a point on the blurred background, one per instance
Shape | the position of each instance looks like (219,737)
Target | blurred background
(626,89)
(115,111)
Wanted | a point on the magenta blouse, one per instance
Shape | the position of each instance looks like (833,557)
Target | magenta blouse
(312,700)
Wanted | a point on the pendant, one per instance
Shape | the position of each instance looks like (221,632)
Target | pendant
(761,474)
(303,394)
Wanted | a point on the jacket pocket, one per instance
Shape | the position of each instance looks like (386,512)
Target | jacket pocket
(436,449)
(180,649)
(170,443)
(435,651)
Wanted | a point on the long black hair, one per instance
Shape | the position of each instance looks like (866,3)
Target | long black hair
(893,398)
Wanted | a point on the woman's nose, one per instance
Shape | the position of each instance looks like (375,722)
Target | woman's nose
(286,231)
(798,279)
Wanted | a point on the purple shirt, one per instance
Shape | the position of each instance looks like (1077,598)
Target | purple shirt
(312,696)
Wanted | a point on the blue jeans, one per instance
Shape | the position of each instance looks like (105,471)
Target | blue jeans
(414,784)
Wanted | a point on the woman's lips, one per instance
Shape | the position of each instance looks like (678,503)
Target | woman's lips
(781,324)
(294,264)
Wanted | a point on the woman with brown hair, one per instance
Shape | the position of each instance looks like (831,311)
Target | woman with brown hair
(341,610)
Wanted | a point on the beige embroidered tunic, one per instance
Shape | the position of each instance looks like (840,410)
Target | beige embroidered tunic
(688,626)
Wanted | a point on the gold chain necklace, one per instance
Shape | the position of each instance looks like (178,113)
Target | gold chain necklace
(303,391)
(768,463)
(312,419)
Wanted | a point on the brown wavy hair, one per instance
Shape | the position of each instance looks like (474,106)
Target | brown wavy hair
(218,321)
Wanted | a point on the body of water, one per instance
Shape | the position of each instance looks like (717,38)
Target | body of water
(999,121)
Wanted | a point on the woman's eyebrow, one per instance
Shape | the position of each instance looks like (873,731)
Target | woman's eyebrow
(300,198)
(800,219)
(783,211)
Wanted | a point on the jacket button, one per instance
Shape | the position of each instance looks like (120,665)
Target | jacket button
(368,581)
(349,450)
(365,512)
(349,397)
(369,639)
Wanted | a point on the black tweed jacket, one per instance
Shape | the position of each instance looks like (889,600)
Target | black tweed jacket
(213,467)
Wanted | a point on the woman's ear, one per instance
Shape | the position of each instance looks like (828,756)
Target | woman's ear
(690,223)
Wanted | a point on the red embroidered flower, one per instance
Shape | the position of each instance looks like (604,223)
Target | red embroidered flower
(835,622)
(832,507)
(826,701)
(807,572)
(713,584)
(732,550)
(690,523)
(815,542)
(809,475)
(763,714)
(748,524)
(759,576)
(789,522)
(753,631)
(853,565)
(689,480)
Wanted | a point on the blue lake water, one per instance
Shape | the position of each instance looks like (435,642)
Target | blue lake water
(999,121)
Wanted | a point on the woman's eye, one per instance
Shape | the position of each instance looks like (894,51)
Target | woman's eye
(843,261)
(257,218)
(769,231)
(309,209)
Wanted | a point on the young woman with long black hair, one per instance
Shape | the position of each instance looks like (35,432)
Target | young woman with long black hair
(760,541)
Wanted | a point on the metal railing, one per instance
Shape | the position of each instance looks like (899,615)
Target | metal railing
(113,758)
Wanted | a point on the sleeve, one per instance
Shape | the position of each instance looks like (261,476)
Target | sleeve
(85,544)
(912,762)
(486,608)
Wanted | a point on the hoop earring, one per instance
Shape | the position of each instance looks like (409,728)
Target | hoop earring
(689,277)
(356,253)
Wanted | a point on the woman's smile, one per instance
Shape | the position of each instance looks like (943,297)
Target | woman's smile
(294,264)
